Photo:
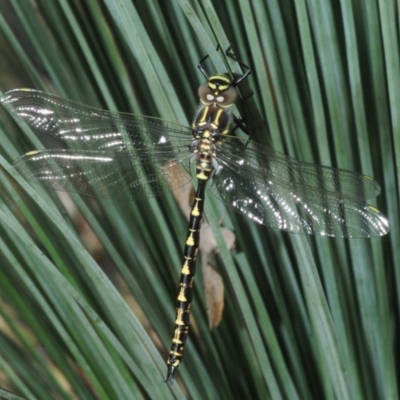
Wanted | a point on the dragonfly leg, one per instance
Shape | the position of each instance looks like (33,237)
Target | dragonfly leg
(229,54)
(247,72)
(200,67)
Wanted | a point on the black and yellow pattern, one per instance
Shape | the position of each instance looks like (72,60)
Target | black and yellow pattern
(211,124)
(185,294)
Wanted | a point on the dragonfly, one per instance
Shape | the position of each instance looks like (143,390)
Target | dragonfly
(114,155)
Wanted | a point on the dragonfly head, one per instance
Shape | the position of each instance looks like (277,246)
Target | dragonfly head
(218,91)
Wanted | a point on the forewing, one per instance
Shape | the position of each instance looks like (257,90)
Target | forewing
(84,127)
(123,156)
(283,193)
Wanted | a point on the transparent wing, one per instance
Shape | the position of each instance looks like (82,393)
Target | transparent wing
(130,156)
(84,127)
(306,181)
(280,192)
(113,155)
(267,205)
(104,174)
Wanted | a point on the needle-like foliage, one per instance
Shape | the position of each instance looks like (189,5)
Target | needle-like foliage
(87,288)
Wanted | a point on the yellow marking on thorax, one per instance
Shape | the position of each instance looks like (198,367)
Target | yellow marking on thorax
(218,116)
(202,118)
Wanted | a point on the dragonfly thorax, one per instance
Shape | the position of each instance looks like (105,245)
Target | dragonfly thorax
(218,91)
(213,121)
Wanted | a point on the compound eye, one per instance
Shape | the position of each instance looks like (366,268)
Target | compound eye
(229,98)
(205,94)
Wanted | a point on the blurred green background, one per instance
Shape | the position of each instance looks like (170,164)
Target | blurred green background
(87,288)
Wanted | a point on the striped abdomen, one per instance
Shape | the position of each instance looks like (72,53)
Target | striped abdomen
(204,171)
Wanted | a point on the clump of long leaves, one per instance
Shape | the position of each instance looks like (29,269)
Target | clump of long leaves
(304,317)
